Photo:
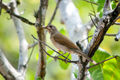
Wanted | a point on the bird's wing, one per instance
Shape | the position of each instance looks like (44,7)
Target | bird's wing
(63,40)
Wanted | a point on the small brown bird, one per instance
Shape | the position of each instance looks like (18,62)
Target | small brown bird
(64,44)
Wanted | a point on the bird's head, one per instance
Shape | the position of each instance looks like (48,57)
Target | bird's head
(52,29)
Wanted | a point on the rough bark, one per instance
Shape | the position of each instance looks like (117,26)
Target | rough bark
(40,22)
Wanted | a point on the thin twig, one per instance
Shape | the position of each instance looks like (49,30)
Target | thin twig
(107,7)
(90,24)
(93,21)
(112,35)
(0,7)
(61,58)
(53,16)
(30,55)
(117,36)
(91,2)
(33,45)
(94,12)
(101,62)
(48,46)
(8,10)
(22,19)
(86,38)
(117,23)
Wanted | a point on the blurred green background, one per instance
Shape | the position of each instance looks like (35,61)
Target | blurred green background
(10,45)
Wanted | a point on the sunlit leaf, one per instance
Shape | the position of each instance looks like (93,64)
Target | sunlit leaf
(100,55)
(49,59)
(111,70)
(113,3)
(37,56)
(62,30)
(100,5)
(38,78)
(64,65)
(97,72)
(75,74)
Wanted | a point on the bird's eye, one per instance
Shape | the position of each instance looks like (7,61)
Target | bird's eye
(50,26)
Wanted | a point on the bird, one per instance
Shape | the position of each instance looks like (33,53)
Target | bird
(63,43)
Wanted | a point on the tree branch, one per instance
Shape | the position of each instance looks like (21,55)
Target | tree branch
(7,70)
(103,26)
(52,18)
(101,62)
(0,6)
(33,45)
(107,7)
(90,2)
(117,23)
(23,45)
(40,21)
(55,57)
(104,23)
(8,10)
(90,24)
(117,36)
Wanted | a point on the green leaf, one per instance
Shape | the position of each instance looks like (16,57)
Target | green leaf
(111,70)
(100,5)
(75,74)
(113,3)
(62,30)
(62,64)
(51,52)
(100,55)
(38,78)
(97,71)
(108,70)
(101,14)
(118,62)
(37,56)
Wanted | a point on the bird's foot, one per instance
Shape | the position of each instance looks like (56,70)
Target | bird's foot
(55,58)
(66,59)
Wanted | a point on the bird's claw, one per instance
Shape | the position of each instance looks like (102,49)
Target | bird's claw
(55,58)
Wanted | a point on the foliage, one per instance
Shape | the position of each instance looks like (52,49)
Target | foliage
(62,64)
(110,70)
(107,70)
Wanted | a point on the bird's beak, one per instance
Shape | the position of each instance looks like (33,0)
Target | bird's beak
(44,27)
(47,27)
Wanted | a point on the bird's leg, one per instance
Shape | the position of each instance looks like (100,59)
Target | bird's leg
(67,57)
(55,58)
